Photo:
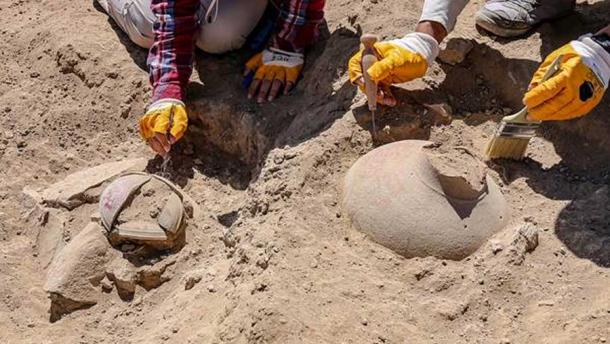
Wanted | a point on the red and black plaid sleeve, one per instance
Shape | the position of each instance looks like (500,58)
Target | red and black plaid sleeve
(170,59)
(298,24)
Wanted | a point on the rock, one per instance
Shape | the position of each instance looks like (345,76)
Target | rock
(524,240)
(76,270)
(451,310)
(49,240)
(69,192)
(496,246)
(33,194)
(192,278)
(441,113)
(152,276)
(455,50)
(528,234)
(124,276)
(128,247)
(106,284)
(95,217)
(420,201)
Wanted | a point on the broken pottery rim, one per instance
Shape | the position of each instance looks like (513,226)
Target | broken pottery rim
(112,226)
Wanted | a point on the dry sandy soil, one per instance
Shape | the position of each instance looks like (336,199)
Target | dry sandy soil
(273,258)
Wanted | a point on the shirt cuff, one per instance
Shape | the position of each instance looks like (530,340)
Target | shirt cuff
(420,43)
(595,57)
(168,91)
(444,12)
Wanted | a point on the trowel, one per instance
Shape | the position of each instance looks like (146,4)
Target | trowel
(369,57)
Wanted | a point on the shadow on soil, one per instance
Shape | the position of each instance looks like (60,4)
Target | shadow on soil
(584,227)
(137,54)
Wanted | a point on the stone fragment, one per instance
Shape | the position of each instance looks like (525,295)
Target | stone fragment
(441,113)
(546,303)
(455,50)
(192,278)
(171,214)
(526,238)
(106,284)
(496,246)
(49,240)
(450,309)
(152,276)
(70,192)
(124,275)
(95,217)
(141,231)
(33,194)
(76,270)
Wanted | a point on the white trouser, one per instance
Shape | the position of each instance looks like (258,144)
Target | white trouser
(235,21)
(443,11)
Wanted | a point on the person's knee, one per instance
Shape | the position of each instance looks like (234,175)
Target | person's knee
(217,41)
(236,20)
(134,17)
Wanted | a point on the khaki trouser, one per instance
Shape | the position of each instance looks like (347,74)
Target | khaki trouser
(235,21)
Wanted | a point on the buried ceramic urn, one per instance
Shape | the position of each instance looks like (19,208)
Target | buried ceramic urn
(420,199)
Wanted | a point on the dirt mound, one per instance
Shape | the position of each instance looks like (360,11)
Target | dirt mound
(270,257)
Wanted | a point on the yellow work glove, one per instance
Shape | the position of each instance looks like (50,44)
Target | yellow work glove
(400,60)
(576,88)
(273,70)
(163,124)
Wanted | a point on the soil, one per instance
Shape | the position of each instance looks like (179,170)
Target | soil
(269,256)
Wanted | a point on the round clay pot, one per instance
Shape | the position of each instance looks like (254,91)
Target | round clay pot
(398,198)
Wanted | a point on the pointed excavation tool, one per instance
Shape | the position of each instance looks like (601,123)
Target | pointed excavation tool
(370,87)
(515,131)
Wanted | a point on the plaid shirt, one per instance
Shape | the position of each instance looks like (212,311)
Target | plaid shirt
(170,59)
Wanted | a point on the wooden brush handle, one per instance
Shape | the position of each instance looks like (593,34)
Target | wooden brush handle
(368,59)
(553,69)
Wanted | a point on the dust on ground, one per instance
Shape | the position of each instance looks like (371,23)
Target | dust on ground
(271,258)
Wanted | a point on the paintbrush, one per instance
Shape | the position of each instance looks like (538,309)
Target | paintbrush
(369,57)
(515,131)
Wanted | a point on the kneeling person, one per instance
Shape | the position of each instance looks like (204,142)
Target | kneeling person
(172,28)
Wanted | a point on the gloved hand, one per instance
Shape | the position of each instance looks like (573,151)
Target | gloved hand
(400,60)
(576,89)
(163,124)
(273,70)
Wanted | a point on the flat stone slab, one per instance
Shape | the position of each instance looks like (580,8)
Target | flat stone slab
(49,240)
(141,230)
(69,193)
(76,271)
